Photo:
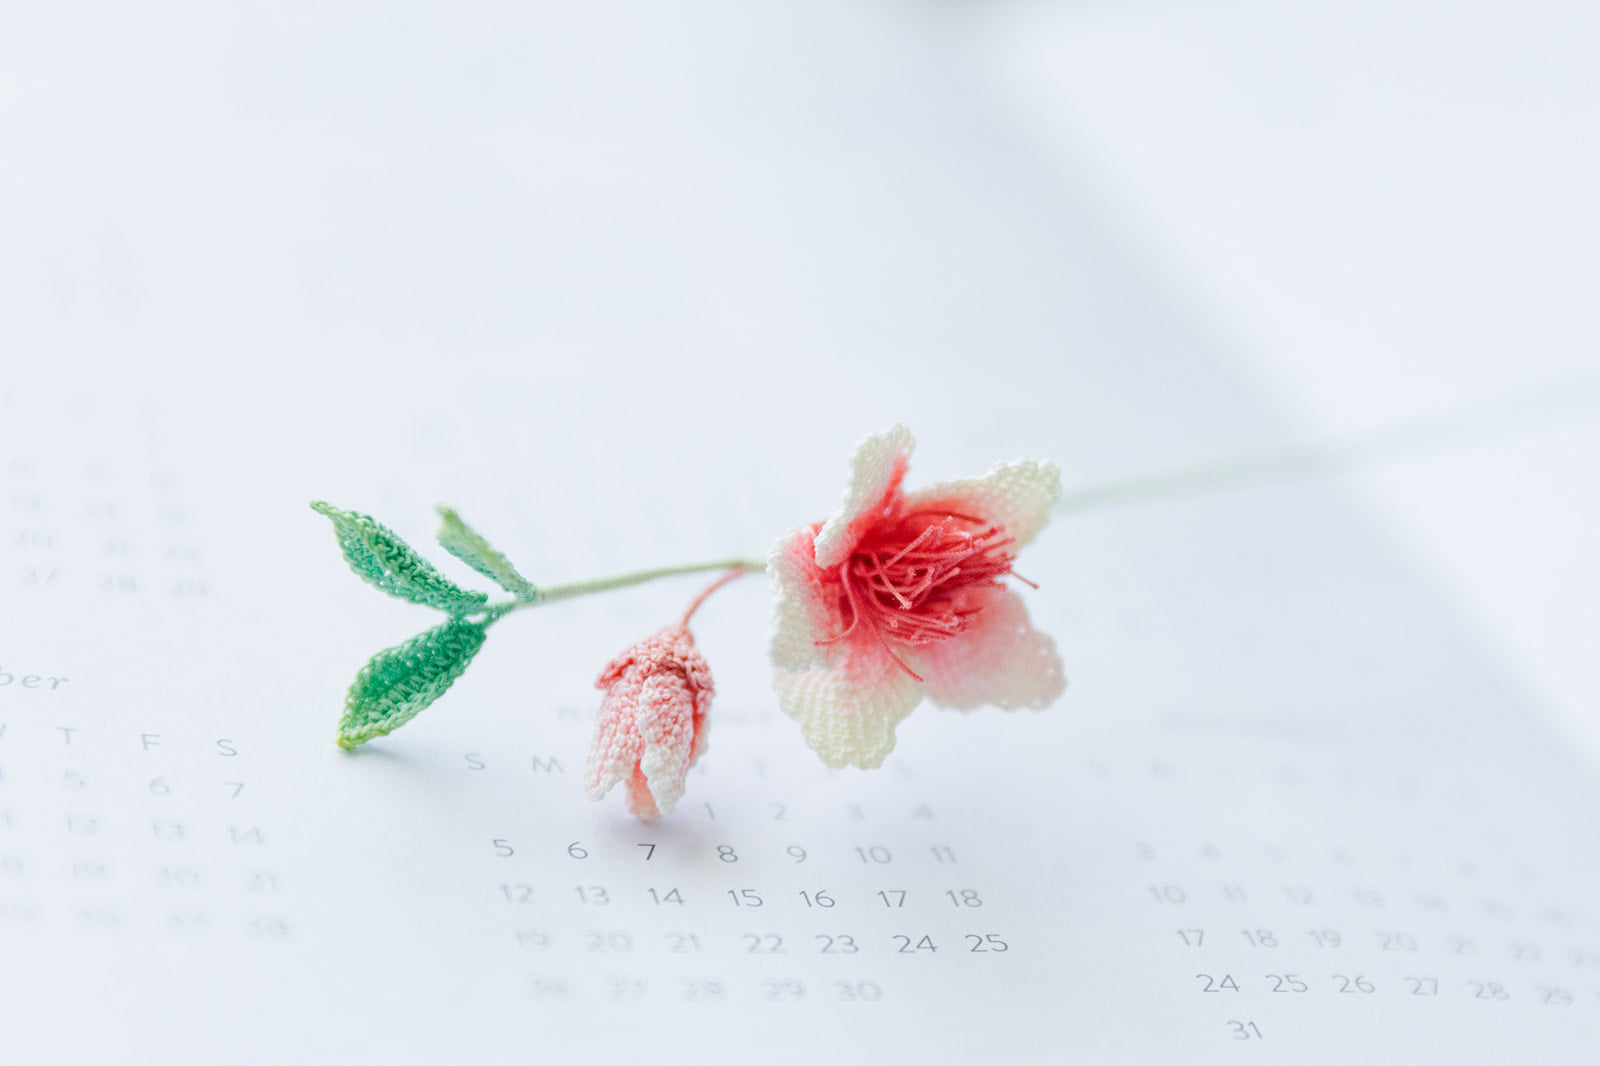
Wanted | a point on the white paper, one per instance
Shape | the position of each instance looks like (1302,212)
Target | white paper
(1280,763)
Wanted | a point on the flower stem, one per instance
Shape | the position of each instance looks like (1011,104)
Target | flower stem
(573,589)
(1563,401)
(732,575)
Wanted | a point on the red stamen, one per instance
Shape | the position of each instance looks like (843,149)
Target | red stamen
(906,577)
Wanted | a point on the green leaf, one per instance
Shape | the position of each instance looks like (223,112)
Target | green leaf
(460,540)
(378,556)
(397,683)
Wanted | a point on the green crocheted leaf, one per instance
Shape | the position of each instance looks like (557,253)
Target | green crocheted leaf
(460,540)
(397,683)
(379,557)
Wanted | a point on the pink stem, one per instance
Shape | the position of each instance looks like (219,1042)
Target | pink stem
(731,575)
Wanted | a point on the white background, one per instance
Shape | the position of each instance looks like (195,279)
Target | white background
(1387,209)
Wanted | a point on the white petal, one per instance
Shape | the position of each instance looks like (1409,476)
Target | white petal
(1017,495)
(1001,660)
(616,747)
(801,611)
(848,709)
(666,726)
(876,469)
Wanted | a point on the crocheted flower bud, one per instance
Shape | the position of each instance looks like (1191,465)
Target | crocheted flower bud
(652,721)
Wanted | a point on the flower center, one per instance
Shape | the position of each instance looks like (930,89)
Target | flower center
(906,578)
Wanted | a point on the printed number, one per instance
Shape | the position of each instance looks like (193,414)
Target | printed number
(783,991)
(968,898)
(624,989)
(1555,997)
(532,938)
(648,855)
(1167,894)
(1287,982)
(943,855)
(905,948)
(819,898)
(797,853)
(268,929)
(611,940)
(877,853)
(517,891)
(745,897)
(764,944)
(838,945)
(503,848)
(593,895)
(577,851)
(1496,908)
(898,894)
(780,813)
(1299,895)
(700,991)
(864,991)
(1358,983)
(726,853)
(1326,938)
(1488,990)
(683,943)
(1227,984)
(1395,942)
(184,876)
(87,825)
(987,942)
(1245,1031)
(1261,938)
(549,988)
(103,920)
(670,896)
(1423,986)
(1192,937)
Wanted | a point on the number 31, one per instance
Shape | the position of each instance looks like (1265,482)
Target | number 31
(1245,1030)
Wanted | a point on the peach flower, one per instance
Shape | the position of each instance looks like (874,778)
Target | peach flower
(899,595)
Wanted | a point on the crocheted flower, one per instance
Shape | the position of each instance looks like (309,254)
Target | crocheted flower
(652,721)
(899,595)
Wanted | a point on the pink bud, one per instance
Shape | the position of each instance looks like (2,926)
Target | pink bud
(651,726)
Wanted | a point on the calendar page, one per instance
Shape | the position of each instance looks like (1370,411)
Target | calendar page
(1285,810)
(625,292)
